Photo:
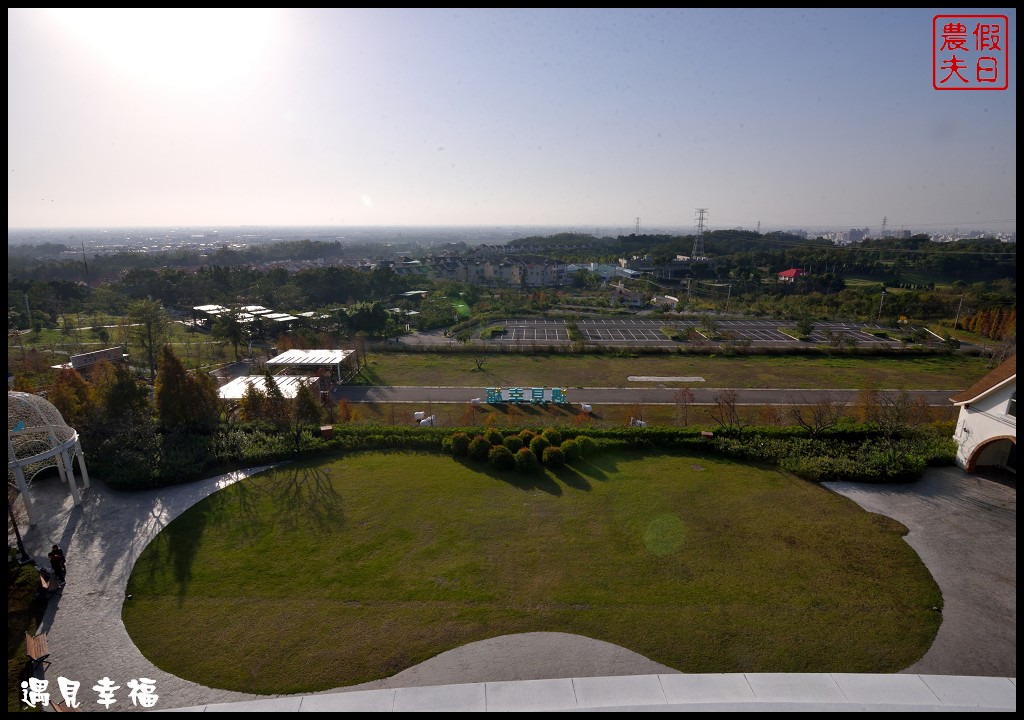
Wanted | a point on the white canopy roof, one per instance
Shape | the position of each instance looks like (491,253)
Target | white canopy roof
(310,358)
(288,385)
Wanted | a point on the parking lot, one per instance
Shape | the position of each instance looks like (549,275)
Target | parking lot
(641,331)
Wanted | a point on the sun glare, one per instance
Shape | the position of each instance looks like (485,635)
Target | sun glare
(182,48)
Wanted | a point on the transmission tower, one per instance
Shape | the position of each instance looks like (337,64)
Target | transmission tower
(698,242)
(884,221)
(758,227)
(637,228)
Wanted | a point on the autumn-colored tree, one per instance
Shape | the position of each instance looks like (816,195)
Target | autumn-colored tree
(69,393)
(344,411)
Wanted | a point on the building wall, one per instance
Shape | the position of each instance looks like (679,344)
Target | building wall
(981,421)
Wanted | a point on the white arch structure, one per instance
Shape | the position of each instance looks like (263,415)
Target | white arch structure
(38,438)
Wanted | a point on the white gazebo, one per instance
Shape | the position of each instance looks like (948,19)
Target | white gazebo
(38,438)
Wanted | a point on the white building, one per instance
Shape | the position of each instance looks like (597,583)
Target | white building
(986,430)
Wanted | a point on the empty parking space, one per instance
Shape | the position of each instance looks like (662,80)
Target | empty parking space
(649,331)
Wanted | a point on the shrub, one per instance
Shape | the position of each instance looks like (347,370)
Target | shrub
(526,461)
(538,444)
(479,448)
(554,457)
(501,457)
(571,449)
(526,436)
(460,444)
(587,445)
(493,436)
(552,436)
(513,443)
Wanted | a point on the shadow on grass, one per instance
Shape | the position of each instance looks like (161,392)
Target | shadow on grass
(595,468)
(539,480)
(571,477)
(302,496)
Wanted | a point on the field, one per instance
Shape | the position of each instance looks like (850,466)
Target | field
(367,565)
(935,372)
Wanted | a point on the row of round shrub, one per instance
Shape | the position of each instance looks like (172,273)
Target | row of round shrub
(525,451)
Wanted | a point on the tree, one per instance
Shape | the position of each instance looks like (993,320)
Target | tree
(275,408)
(306,412)
(726,411)
(69,393)
(804,327)
(253,401)
(684,398)
(894,413)
(173,401)
(709,325)
(150,329)
(114,394)
(820,415)
(185,401)
(228,328)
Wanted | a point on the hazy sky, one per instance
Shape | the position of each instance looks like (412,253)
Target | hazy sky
(581,118)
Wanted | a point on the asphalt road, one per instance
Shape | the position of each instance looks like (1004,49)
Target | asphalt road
(620,396)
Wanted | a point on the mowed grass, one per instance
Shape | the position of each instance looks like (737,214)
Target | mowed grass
(934,372)
(316,576)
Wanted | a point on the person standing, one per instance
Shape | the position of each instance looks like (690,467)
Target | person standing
(56,562)
(59,563)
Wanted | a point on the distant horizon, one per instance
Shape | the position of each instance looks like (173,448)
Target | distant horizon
(815,119)
(582,229)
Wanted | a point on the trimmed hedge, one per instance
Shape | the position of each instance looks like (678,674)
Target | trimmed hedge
(538,444)
(479,448)
(571,449)
(554,457)
(526,461)
(501,458)
(137,457)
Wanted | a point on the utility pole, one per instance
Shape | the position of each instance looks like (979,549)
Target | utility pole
(728,295)
(880,301)
(957,321)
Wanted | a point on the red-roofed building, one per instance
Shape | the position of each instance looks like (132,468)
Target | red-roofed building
(791,274)
(986,430)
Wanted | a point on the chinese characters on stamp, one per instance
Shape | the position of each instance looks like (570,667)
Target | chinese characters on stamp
(970,52)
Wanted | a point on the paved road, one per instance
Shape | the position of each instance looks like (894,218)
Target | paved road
(620,396)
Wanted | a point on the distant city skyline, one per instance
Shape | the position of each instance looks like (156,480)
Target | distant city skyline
(580,120)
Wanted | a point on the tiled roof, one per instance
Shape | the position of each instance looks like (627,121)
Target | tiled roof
(1003,372)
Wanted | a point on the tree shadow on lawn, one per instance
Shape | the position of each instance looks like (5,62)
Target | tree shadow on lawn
(303,494)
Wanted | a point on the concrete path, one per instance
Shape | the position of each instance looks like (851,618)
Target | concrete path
(963,526)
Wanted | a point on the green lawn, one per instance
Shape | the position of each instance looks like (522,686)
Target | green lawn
(315,576)
(933,372)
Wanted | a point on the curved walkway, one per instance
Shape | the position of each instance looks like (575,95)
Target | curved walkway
(963,526)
